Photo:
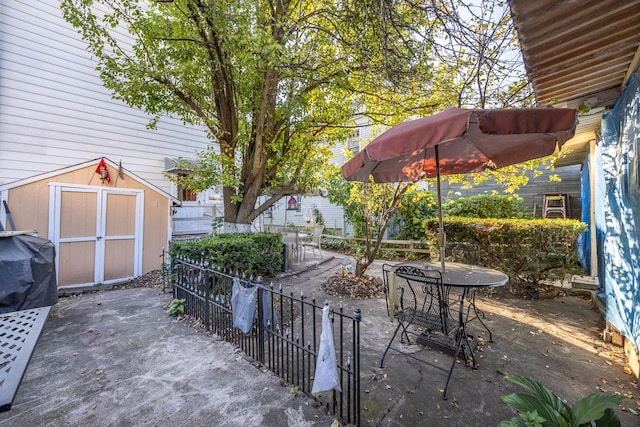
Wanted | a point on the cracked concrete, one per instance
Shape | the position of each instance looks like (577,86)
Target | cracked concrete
(115,358)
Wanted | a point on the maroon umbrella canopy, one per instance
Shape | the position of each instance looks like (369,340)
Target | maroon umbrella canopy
(461,141)
(467,141)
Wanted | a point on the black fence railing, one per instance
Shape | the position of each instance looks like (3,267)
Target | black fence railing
(284,335)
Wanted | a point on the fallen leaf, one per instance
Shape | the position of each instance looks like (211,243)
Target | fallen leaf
(602,380)
(627,370)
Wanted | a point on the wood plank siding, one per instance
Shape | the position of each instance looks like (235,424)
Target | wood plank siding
(54,111)
(532,193)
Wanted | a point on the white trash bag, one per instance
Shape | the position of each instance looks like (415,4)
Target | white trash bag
(326,375)
(243,306)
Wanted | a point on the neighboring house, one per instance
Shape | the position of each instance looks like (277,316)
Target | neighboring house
(56,122)
(298,210)
(586,54)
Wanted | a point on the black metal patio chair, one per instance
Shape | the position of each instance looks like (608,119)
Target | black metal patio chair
(419,302)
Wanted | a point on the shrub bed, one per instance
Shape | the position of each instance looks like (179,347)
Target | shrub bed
(529,251)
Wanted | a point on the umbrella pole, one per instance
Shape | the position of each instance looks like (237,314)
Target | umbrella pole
(442,237)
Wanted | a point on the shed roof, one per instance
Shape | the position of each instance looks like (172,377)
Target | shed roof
(82,165)
(579,52)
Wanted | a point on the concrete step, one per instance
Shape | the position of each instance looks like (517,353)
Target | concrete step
(584,282)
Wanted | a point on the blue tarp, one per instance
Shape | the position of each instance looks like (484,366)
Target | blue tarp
(584,241)
(617,203)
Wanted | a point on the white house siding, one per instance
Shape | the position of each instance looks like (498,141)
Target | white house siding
(54,111)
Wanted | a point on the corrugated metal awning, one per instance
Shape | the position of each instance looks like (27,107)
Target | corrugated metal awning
(577,53)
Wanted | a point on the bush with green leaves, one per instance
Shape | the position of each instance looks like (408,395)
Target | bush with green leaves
(269,258)
(542,408)
(337,244)
(415,207)
(246,253)
(486,206)
(418,206)
(529,251)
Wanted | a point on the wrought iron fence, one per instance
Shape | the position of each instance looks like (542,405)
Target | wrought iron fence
(285,335)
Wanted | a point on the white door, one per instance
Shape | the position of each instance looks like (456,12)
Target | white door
(97,232)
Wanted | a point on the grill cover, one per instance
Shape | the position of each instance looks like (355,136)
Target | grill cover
(27,272)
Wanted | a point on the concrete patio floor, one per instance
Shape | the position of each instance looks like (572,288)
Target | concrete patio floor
(115,358)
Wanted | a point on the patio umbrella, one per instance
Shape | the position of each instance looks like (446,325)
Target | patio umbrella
(460,141)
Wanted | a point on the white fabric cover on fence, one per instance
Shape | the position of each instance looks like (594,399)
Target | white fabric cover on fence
(326,375)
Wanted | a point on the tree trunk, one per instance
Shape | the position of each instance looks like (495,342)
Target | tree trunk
(232,227)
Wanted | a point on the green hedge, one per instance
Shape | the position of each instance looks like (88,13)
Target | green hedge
(247,253)
(527,250)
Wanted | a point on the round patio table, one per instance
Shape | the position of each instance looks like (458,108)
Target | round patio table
(469,276)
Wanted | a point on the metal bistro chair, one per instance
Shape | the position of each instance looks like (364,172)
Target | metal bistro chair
(419,302)
(313,241)
(290,237)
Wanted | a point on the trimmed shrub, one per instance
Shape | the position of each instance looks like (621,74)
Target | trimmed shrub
(246,253)
(270,257)
(340,245)
(527,250)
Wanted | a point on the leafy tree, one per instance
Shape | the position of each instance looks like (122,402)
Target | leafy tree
(486,206)
(477,65)
(416,206)
(479,54)
(369,208)
(271,83)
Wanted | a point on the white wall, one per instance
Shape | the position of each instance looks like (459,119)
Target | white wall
(55,113)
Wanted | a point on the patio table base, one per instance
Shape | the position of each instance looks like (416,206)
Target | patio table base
(465,351)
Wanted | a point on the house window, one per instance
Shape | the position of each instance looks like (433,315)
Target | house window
(186,195)
(353,144)
(293,204)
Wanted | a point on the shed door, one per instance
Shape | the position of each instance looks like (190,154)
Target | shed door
(97,233)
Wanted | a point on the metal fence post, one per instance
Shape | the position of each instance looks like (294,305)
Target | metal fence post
(261,329)
(207,299)
(356,364)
